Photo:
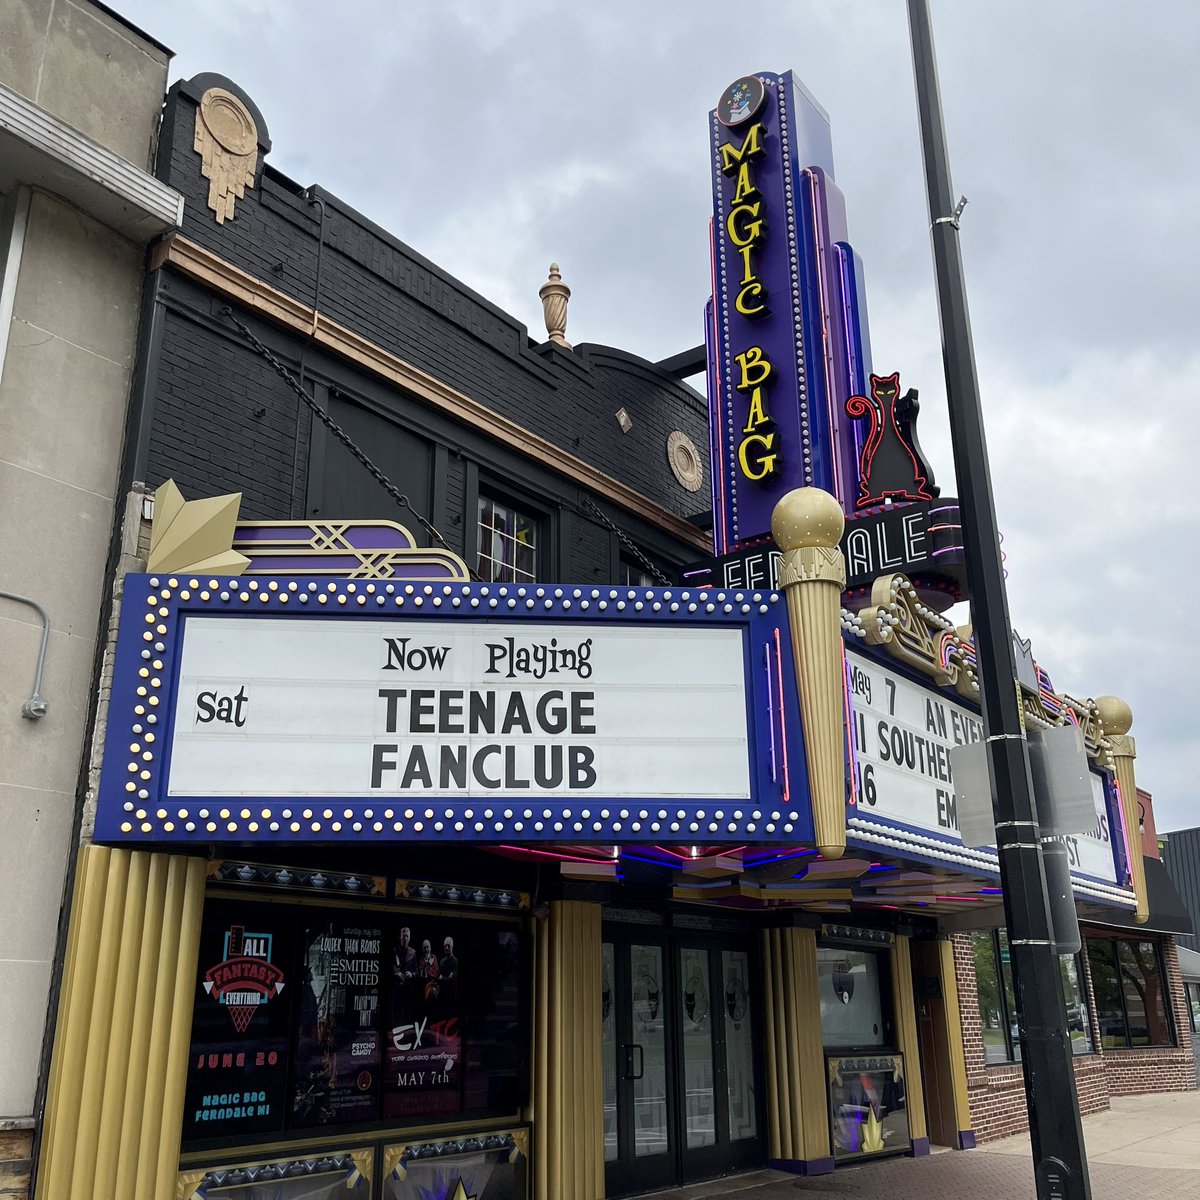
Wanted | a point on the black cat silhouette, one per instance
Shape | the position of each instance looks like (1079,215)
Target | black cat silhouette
(891,465)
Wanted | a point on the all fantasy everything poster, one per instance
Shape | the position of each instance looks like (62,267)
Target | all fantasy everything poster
(237,1073)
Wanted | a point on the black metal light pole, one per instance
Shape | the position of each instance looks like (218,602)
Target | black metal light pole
(1060,1165)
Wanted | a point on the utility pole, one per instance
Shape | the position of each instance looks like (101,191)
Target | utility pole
(1060,1165)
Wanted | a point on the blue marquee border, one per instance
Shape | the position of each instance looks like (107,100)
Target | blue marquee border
(133,807)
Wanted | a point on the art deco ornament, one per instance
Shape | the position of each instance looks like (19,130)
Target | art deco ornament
(227,142)
(1116,719)
(685,460)
(194,535)
(555,294)
(807,525)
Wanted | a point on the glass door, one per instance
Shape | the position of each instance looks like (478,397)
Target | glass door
(717,1061)
(639,1144)
(680,1055)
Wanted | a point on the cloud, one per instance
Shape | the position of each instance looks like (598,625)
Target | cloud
(495,137)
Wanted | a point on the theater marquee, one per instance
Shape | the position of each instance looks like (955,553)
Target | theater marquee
(261,709)
(901,735)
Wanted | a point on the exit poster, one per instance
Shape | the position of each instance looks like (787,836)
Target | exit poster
(424,1035)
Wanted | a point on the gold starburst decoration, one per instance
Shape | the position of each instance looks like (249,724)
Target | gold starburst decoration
(194,535)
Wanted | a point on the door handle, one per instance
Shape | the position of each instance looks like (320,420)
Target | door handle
(641,1061)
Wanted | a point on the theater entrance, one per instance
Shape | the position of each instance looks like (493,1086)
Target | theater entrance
(681,1024)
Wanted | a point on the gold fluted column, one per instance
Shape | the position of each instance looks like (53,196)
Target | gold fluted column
(807,524)
(568,1098)
(797,1116)
(114,1110)
(1116,719)
(905,1002)
(956,1052)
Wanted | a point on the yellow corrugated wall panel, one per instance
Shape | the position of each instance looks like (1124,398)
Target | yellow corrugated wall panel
(958,1058)
(119,1062)
(798,1127)
(906,1028)
(568,1081)
(810,1050)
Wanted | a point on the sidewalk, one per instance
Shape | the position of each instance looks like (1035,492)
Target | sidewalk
(1146,1147)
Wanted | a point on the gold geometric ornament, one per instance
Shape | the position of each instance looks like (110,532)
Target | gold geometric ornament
(194,535)
(227,142)
(897,620)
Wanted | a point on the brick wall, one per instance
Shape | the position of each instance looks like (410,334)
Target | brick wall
(207,390)
(997,1093)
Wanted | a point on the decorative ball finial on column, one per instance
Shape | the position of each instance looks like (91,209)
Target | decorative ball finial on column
(1116,719)
(555,294)
(807,524)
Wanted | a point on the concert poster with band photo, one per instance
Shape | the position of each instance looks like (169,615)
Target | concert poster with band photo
(338,1029)
(425,1032)
(308,1018)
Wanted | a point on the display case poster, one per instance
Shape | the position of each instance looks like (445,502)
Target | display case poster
(424,1034)
(339,1038)
(237,1070)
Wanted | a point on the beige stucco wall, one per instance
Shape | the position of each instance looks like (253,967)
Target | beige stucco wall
(67,356)
(86,68)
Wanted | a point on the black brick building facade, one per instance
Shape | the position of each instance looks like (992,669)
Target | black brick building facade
(211,412)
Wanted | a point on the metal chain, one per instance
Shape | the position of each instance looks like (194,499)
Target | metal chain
(342,436)
(627,541)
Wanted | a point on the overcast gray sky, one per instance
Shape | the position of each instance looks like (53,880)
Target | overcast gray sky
(496,135)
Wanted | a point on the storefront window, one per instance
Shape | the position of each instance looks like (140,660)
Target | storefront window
(851,997)
(994,1003)
(307,1018)
(1193,999)
(1129,983)
(1078,1025)
(608,1048)
(997,999)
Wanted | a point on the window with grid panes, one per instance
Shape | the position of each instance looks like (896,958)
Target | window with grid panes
(1130,984)
(997,1000)
(633,575)
(509,543)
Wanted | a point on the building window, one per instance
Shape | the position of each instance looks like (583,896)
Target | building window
(1078,1025)
(1130,986)
(997,1007)
(634,575)
(320,1018)
(1192,991)
(509,543)
(997,999)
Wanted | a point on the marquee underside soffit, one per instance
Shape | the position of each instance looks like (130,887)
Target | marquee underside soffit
(750,878)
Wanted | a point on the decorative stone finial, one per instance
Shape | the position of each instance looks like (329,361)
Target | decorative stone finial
(555,294)
(807,516)
(1115,715)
